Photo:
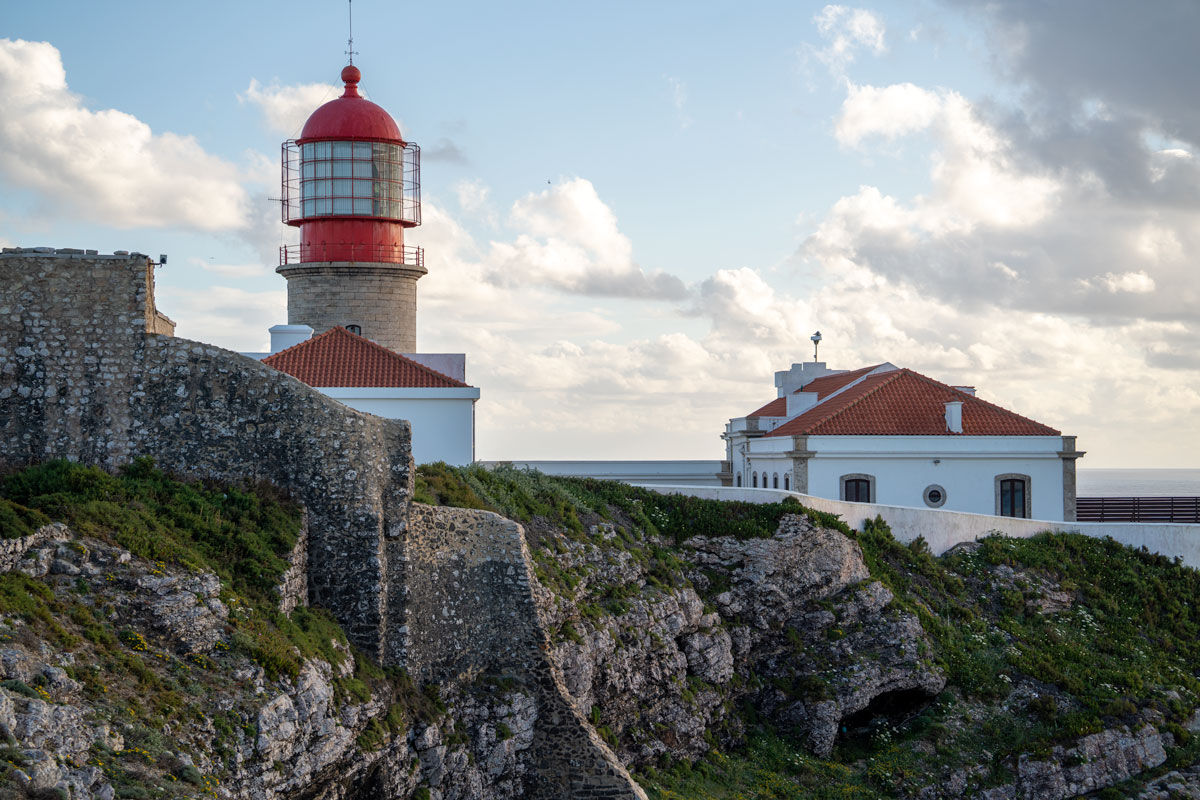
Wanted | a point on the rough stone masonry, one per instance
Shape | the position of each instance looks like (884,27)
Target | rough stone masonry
(90,373)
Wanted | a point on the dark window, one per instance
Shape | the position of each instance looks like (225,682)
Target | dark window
(357,329)
(739,479)
(775,481)
(1012,497)
(754,478)
(858,490)
(785,481)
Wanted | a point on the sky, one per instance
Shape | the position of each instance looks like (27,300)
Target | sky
(635,213)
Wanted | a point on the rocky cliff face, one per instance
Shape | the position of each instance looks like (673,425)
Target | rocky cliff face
(794,626)
(136,685)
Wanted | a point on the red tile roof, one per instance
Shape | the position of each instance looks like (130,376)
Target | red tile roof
(906,403)
(338,357)
(831,383)
(822,386)
(775,408)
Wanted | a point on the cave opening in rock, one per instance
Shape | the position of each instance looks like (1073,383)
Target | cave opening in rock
(895,707)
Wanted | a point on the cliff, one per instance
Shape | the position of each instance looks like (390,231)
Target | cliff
(145,654)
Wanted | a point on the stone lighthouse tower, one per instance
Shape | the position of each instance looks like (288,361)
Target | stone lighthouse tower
(353,186)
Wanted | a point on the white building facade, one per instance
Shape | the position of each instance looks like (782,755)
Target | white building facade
(427,389)
(892,436)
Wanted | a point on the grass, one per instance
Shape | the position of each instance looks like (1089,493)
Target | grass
(241,533)
(1127,642)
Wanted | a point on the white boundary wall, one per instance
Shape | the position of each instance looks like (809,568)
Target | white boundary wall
(944,529)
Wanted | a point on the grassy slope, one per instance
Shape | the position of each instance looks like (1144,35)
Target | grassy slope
(142,684)
(1127,642)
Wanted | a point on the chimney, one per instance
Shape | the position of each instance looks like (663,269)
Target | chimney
(285,336)
(954,416)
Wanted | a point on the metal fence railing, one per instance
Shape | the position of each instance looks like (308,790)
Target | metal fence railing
(351,251)
(1137,509)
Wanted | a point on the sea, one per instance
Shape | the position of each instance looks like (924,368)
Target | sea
(1138,483)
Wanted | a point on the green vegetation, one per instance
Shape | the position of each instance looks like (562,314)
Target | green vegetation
(1097,634)
(140,682)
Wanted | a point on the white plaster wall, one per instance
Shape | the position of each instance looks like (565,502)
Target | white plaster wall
(943,530)
(904,466)
(970,484)
(443,428)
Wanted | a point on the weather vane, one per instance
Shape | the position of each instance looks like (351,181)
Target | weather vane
(350,51)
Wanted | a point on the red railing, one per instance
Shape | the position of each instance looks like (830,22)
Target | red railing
(348,251)
(1137,509)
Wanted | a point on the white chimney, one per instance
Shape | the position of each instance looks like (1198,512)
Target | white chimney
(799,402)
(285,336)
(954,416)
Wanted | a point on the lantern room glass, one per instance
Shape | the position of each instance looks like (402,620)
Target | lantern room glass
(348,178)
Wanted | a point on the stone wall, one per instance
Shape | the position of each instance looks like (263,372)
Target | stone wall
(445,593)
(82,379)
(470,611)
(379,298)
(13,550)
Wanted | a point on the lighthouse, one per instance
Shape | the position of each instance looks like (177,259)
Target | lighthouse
(352,185)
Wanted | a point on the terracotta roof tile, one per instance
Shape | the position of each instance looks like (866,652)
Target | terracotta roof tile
(775,408)
(831,383)
(338,357)
(906,403)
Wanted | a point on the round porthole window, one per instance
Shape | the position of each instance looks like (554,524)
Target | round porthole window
(935,496)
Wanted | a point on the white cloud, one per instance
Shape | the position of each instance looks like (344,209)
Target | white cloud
(890,112)
(975,180)
(570,241)
(846,31)
(1129,282)
(223,315)
(472,195)
(105,165)
(245,271)
(286,108)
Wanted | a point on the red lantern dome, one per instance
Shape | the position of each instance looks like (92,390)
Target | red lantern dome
(351,116)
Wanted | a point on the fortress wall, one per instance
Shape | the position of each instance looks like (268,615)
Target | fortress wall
(82,379)
(470,611)
(447,593)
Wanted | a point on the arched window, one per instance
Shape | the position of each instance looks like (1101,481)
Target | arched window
(754,478)
(739,479)
(1013,495)
(775,481)
(357,329)
(785,481)
(858,488)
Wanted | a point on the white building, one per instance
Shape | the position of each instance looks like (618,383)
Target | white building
(887,435)
(370,377)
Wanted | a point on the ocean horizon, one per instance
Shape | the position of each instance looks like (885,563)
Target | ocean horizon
(1138,483)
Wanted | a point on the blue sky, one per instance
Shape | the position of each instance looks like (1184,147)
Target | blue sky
(636,212)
